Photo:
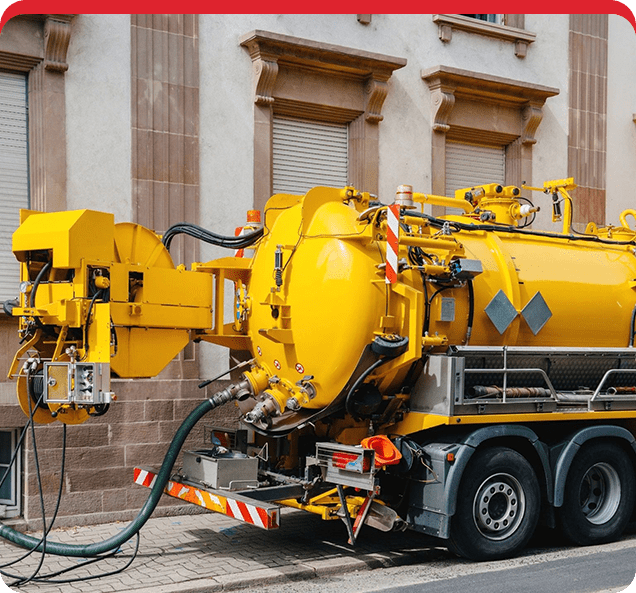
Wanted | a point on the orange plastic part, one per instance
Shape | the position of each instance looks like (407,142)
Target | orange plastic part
(386,453)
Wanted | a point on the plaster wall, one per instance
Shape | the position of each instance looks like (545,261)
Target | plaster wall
(405,146)
(621,127)
(226,99)
(98,95)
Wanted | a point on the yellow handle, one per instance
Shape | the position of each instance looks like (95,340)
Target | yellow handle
(625,214)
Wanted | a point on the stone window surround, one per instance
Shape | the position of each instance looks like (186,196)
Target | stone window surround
(307,79)
(484,109)
(36,45)
(42,41)
(512,31)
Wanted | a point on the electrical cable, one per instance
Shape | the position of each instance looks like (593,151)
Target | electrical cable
(46,530)
(112,543)
(47,578)
(42,543)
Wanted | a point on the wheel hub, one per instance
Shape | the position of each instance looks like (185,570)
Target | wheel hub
(499,506)
(600,493)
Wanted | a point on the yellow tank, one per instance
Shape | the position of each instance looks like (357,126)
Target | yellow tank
(319,297)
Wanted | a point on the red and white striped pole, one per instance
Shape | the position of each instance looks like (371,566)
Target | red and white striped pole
(392,242)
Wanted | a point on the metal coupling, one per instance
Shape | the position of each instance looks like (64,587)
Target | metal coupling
(238,391)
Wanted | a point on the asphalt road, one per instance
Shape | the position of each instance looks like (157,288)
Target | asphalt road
(598,569)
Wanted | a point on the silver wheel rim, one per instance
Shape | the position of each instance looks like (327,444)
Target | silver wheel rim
(499,506)
(600,493)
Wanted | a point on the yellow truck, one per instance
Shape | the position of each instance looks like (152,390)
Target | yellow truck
(464,376)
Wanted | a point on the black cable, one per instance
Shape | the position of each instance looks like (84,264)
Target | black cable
(99,293)
(45,268)
(527,222)
(359,381)
(461,226)
(57,505)
(471,310)
(47,578)
(207,236)
(632,331)
(24,580)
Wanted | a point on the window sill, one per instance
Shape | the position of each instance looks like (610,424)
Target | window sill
(449,22)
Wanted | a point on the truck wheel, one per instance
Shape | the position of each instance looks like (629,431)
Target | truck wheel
(599,495)
(497,506)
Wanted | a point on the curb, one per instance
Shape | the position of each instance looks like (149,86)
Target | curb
(291,573)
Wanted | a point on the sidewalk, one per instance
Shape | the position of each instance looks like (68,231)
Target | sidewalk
(211,552)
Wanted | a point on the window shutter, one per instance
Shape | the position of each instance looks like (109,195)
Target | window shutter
(307,154)
(469,164)
(14,182)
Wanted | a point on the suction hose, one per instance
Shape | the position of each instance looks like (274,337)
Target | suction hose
(83,551)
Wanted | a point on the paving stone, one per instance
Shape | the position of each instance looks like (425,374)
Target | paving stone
(208,553)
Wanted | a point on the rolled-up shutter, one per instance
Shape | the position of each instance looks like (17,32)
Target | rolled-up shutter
(307,154)
(14,183)
(468,165)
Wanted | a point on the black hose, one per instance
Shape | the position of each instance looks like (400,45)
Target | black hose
(471,310)
(113,543)
(461,226)
(207,236)
(359,381)
(632,330)
(45,268)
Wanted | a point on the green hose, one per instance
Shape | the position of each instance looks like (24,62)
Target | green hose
(83,551)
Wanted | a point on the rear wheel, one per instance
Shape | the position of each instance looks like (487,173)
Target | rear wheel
(497,506)
(599,494)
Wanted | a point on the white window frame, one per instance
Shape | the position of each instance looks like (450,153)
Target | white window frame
(11,507)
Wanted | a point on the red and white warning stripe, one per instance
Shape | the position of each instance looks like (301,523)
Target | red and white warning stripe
(392,242)
(264,515)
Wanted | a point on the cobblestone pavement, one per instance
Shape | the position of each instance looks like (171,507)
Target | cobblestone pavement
(211,552)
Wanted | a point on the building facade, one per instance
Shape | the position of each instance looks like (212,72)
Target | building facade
(164,118)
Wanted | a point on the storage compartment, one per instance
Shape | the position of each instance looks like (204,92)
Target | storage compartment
(229,470)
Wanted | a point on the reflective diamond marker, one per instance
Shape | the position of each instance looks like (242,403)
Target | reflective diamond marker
(501,311)
(536,313)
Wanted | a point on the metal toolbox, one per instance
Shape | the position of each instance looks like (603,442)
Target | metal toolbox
(229,470)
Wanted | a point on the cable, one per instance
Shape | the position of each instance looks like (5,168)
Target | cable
(632,331)
(202,234)
(99,294)
(471,310)
(45,268)
(359,381)
(461,226)
(108,545)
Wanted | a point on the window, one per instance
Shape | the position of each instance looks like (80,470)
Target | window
(318,94)
(10,490)
(488,18)
(506,27)
(482,124)
(307,154)
(469,164)
(14,183)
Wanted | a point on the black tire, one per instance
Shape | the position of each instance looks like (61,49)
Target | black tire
(599,495)
(497,506)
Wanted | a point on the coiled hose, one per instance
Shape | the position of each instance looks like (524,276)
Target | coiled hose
(88,550)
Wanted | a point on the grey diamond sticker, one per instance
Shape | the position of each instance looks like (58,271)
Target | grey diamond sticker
(501,311)
(536,313)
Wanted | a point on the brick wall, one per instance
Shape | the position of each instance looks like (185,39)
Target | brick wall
(102,452)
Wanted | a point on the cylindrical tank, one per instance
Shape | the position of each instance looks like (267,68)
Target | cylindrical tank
(534,289)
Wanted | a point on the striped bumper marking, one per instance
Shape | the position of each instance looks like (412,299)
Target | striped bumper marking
(266,518)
